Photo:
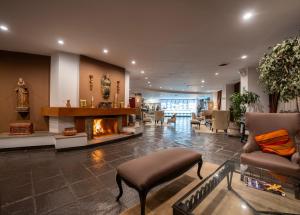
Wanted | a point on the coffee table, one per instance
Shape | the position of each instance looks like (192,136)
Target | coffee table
(225,192)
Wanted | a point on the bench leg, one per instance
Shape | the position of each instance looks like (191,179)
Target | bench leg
(143,195)
(119,182)
(199,169)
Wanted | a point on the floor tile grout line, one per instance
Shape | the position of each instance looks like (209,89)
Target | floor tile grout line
(33,193)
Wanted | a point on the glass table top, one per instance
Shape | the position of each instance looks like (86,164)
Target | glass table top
(225,191)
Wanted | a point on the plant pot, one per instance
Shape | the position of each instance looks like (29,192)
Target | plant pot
(234,129)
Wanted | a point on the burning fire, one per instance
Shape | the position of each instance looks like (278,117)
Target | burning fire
(105,126)
(97,129)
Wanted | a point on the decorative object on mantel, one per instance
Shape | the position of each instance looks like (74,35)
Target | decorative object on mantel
(20,128)
(122,104)
(22,96)
(92,102)
(116,99)
(105,86)
(68,103)
(70,131)
(91,77)
(105,105)
(82,103)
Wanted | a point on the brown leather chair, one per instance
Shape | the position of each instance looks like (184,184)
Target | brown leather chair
(258,123)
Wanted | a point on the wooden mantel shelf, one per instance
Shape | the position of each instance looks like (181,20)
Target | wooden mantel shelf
(64,111)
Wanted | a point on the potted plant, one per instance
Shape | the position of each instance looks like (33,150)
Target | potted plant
(280,72)
(240,102)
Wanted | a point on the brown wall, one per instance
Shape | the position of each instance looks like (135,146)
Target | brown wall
(89,66)
(35,70)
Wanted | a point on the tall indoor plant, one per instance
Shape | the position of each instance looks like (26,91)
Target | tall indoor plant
(240,102)
(280,71)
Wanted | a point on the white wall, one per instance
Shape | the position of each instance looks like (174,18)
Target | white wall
(64,79)
(250,82)
(127,88)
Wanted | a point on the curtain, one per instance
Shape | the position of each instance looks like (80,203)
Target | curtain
(219,99)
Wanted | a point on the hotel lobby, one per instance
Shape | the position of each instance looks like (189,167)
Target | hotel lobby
(146,107)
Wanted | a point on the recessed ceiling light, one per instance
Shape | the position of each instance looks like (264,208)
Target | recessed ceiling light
(105,51)
(247,15)
(149,82)
(142,72)
(244,206)
(244,56)
(216,73)
(133,62)
(202,81)
(60,42)
(3,28)
(160,87)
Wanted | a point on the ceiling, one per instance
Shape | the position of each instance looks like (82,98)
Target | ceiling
(177,43)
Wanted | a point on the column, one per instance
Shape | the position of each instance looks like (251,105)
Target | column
(64,85)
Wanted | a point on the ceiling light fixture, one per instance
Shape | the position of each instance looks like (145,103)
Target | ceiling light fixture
(150,85)
(247,15)
(146,78)
(133,62)
(3,28)
(216,73)
(142,72)
(160,87)
(105,51)
(202,81)
(60,42)
(244,57)
(149,82)
(202,86)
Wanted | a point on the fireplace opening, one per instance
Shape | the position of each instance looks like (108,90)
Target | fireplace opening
(105,126)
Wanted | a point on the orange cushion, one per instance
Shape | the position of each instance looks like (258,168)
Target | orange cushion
(277,142)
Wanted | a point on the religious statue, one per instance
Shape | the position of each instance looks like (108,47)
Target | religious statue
(22,96)
(105,86)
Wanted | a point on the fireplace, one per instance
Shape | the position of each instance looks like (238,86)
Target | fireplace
(99,127)
(105,126)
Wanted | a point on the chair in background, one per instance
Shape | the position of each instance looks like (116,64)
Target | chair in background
(159,116)
(172,119)
(195,121)
(207,115)
(259,123)
(146,118)
(220,120)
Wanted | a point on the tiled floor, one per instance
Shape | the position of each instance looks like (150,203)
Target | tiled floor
(83,181)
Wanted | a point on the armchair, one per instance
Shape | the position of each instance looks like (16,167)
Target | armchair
(258,123)
(159,116)
(220,120)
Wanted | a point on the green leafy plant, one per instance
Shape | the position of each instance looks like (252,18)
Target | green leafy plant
(280,70)
(240,102)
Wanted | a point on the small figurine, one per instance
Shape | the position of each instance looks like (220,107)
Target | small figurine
(68,103)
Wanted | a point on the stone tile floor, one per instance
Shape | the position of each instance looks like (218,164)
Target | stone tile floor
(42,181)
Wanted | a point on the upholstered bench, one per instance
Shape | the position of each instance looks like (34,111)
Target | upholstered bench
(148,171)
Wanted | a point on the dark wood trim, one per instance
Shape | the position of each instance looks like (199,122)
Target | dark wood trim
(71,112)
